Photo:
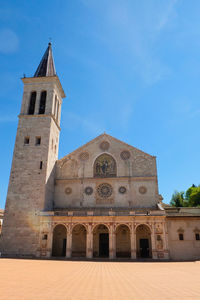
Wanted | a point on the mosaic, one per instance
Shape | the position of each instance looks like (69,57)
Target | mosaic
(105,166)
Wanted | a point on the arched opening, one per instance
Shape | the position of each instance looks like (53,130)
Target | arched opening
(59,240)
(42,102)
(31,108)
(143,240)
(105,166)
(123,241)
(100,241)
(79,241)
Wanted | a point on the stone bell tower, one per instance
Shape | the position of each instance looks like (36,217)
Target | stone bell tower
(31,184)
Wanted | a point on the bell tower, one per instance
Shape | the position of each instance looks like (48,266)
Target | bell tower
(31,184)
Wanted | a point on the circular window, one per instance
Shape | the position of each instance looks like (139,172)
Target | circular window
(142,189)
(122,190)
(104,145)
(88,190)
(104,190)
(84,156)
(125,155)
(68,191)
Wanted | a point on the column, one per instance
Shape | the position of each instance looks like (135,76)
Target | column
(165,242)
(133,243)
(153,242)
(49,244)
(112,253)
(69,243)
(89,242)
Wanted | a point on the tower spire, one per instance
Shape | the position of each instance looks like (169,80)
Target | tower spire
(46,66)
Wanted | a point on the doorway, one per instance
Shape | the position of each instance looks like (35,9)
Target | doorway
(101,241)
(143,239)
(103,244)
(144,248)
(59,241)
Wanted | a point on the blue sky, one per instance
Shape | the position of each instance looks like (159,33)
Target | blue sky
(129,67)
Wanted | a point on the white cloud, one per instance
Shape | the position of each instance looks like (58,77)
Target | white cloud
(9,41)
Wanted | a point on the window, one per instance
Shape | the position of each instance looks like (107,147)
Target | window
(158,237)
(31,108)
(197,236)
(26,140)
(55,103)
(181,237)
(37,140)
(44,237)
(41,163)
(42,102)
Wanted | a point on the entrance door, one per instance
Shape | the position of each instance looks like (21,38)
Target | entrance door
(144,248)
(104,244)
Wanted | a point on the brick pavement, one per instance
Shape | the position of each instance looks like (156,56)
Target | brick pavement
(74,280)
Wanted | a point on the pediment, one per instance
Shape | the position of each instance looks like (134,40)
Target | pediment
(129,160)
(105,143)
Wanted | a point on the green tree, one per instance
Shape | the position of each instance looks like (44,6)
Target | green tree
(177,199)
(194,198)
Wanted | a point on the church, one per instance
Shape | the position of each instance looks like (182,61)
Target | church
(100,201)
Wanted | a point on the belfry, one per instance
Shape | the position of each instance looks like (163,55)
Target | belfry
(101,200)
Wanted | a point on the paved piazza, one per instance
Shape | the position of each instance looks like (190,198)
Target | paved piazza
(74,280)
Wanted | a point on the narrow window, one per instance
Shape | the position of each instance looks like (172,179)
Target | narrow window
(26,140)
(44,237)
(42,102)
(58,108)
(55,149)
(41,163)
(197,235)
(55,103)
(158,237)
(37,140)
(31,108)
(181,237)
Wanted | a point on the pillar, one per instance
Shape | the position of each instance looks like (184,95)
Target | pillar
(69,243)
(153,242)
(133,243)
(89,242)
(112,243)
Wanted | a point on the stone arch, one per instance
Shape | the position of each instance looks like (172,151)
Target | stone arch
(59,240)
(105,166)
(143,241)
(101,241)
(123,241)
(79,234)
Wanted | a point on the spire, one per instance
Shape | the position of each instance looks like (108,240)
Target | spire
(46,66)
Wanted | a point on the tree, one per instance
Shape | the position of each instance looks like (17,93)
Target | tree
(195,196)
(177,199)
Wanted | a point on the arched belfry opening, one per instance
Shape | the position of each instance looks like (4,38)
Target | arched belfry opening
(79,241)
(101,241)
(105,166)
(143,240)
(123,241)
(59,241)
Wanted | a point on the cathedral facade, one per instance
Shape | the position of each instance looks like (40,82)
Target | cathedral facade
(102,200)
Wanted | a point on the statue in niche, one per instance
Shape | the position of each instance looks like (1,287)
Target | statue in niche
(105,166)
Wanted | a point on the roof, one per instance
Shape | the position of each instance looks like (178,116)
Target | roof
(46,66)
